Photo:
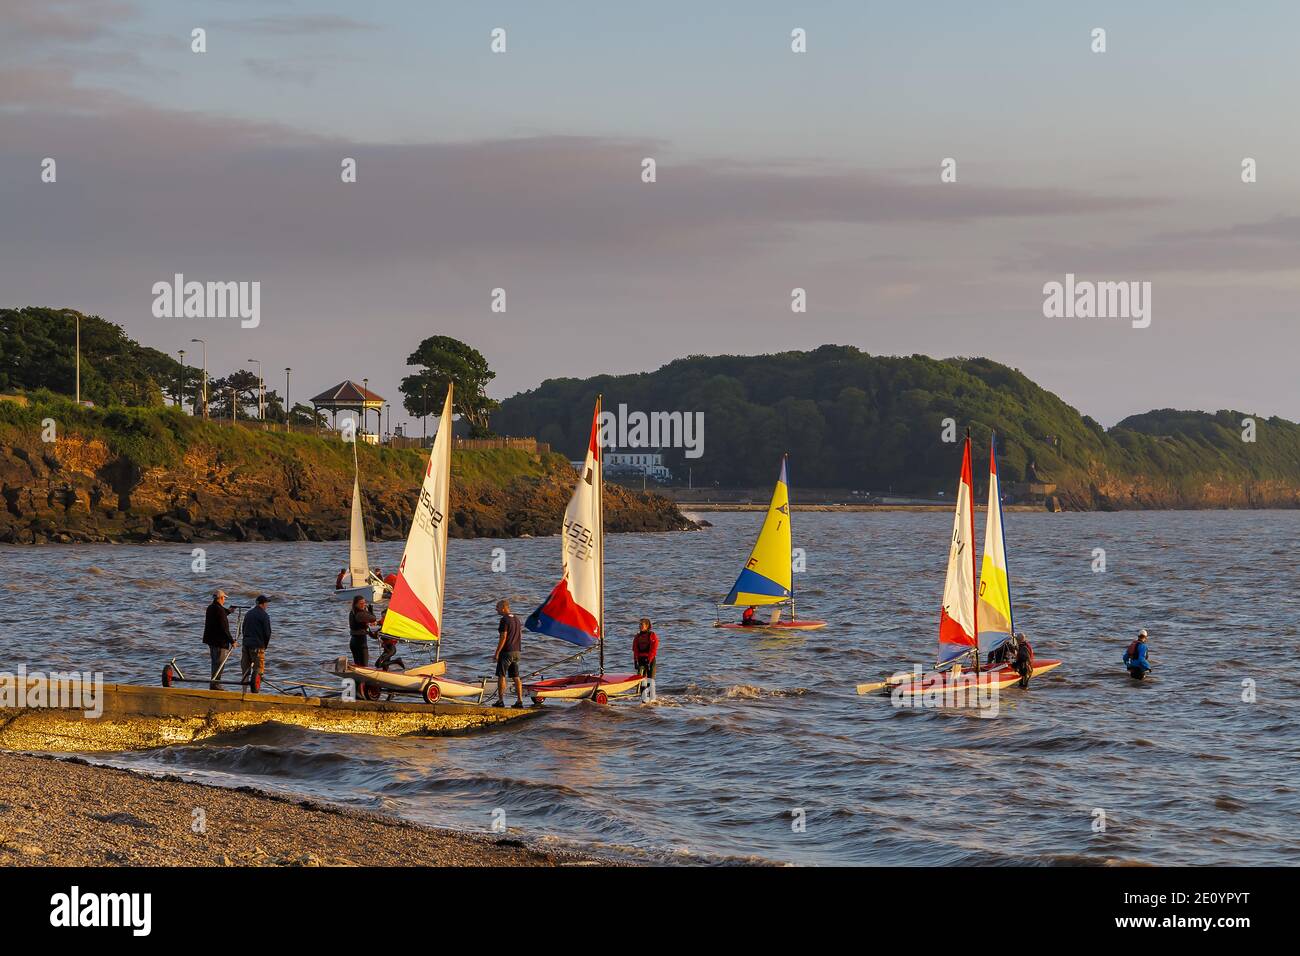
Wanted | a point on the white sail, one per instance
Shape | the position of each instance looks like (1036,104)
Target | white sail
(995,586)
(415,609)
(957,621)
(574,611)
(358,560)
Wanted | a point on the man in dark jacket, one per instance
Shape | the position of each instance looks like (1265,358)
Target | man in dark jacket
(257,635)
(216,634)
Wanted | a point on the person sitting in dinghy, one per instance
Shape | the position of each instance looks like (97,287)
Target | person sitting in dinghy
(1135,657)
(750,617)
(1004,653)
(338,582)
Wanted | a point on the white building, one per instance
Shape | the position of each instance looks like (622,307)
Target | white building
(649,464)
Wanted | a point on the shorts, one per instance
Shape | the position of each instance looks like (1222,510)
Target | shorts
(508,664)
(647,668)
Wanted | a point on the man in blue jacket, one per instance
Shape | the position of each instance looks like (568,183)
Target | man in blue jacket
(257,635)
(1135,657)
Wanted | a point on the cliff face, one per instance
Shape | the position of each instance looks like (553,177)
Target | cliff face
(78,490)
(1104,491)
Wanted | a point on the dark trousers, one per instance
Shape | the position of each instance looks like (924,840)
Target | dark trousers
(216,654)
(360,651)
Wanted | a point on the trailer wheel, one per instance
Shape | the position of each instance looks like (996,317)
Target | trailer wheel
(169,674)
(538,701)
(431,693)
(371,691)
(601,697)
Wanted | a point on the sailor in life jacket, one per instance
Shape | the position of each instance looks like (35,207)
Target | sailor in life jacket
(749,618)
(338,582)
(645,656)
(1135,657)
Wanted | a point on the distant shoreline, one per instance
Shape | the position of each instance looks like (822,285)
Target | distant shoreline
(688,507)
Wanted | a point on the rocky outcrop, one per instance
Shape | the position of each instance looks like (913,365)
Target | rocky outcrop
(78,490)
(1103,491)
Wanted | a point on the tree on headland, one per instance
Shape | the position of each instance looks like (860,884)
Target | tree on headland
(244,385)
(38,350)
(850,420)
(446,361)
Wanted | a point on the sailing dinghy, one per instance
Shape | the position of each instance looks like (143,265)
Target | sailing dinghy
(415,611)
(961,638)
(767,578)
(575,610)
(358,561)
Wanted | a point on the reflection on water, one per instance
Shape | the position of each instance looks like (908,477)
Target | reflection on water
(749,727)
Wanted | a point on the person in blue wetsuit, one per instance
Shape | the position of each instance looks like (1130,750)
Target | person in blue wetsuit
(1135,657)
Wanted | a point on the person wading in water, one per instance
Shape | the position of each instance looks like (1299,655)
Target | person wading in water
(1135,657)
(645,656)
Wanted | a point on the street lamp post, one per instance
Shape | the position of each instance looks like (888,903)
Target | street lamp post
(287,406)
(204,343)
(424,390)
(388,407)
(261,406)
(365,409)
(234,406)
(180,389)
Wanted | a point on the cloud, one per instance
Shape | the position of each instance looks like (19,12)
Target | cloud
(294,26)
(1265,246)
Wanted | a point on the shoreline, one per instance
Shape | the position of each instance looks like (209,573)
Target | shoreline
(688,507)
(67,811)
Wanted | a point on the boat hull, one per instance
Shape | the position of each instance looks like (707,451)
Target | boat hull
(372,593)
(1000,676)
(413,681)
(585,686)
(794,625)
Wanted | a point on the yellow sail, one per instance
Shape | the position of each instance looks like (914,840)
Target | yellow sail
(766,577)
(995,585)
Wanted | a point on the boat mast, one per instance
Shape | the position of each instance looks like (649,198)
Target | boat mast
(785,470)
(1002,526)
(442,578)
(600,531)
(973,566)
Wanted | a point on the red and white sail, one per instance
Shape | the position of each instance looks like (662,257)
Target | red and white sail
(958,628)
(415,609)
(575,608)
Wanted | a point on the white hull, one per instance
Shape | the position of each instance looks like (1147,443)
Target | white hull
(375,593)
(413,681)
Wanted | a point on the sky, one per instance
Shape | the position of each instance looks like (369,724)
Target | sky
(775,170)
